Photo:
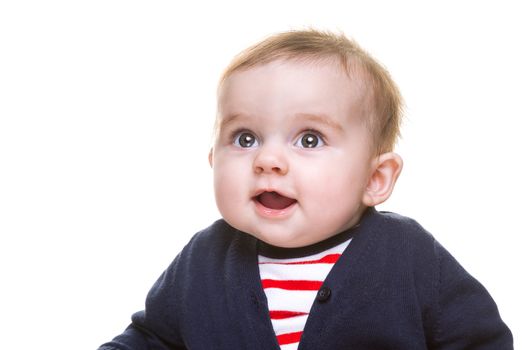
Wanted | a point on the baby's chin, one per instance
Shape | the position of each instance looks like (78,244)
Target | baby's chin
(273,237)
(284,240)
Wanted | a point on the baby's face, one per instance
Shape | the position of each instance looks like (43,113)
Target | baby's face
(293,154)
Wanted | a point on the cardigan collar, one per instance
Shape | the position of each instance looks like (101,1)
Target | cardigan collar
(271,251)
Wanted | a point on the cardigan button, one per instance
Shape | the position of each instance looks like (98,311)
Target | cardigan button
(323,294)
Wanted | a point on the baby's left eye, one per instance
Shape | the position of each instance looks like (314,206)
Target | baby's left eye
(309,140)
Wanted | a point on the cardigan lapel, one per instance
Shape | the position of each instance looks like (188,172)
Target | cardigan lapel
(348,277)
(247,298)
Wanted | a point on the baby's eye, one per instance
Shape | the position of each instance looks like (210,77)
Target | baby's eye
(245,140)
(310,140)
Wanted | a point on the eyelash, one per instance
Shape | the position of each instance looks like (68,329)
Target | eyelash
(313,132)
(235,135)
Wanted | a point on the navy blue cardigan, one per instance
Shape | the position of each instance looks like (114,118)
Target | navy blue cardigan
(395,287)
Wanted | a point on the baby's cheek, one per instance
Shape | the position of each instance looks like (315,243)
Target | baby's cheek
(328,186)
(222,188)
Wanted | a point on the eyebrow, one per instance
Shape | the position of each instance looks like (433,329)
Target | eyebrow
(316,118)
(321,119)
(230,119)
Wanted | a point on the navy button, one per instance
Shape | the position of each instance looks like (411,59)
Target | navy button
(323,294)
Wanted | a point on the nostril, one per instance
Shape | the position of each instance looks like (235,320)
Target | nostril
(275,169)
(270,163)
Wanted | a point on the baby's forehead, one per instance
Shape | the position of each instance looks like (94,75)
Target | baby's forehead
(290,74)
(351,69)
(277,90)
(330,67)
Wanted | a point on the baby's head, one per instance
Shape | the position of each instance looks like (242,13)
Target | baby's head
(306,125)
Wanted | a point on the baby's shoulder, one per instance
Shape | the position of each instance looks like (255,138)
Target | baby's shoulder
(217,232)
(399,235)
(216,242)
(400,227)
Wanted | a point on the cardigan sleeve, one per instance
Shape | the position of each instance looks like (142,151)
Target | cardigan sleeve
(137,338)
(467,317)
(156,326)
(179,304)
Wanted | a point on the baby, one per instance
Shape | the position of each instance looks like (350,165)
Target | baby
(303,152)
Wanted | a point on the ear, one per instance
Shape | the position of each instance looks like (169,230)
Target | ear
(210,157)
(385,171)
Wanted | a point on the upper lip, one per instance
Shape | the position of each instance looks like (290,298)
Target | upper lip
(260,191)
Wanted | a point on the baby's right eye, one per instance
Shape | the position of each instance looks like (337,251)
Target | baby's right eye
(245,140)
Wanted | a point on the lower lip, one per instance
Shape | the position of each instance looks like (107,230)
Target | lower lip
(274,213)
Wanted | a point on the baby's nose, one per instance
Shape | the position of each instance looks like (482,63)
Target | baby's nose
(270,160)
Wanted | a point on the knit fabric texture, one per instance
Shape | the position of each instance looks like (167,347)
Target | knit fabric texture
(395,287)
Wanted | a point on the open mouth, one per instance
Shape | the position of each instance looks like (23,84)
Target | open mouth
(274,200)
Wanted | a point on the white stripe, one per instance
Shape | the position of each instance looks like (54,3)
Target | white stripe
(289,325)
(290,300)
(293,346)
(314,272)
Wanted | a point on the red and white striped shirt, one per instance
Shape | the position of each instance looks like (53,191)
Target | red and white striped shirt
(291,286)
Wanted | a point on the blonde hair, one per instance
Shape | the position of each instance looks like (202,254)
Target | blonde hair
(382,94)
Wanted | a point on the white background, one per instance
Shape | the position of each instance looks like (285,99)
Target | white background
(106,110)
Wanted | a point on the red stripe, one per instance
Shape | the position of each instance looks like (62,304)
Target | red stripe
(280,314)
(327,259)
(292,284)
(289,338)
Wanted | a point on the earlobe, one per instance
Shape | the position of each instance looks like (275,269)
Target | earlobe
(386,170)
(210,157)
